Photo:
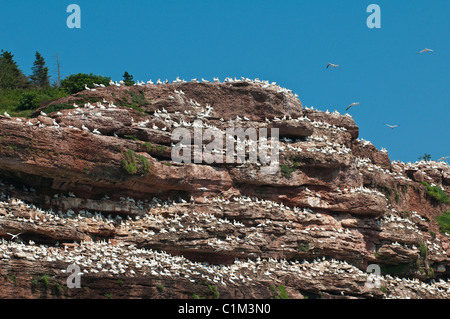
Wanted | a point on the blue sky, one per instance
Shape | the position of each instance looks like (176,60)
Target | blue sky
(288,42)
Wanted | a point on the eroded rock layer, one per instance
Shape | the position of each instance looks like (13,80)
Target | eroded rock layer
(94,184)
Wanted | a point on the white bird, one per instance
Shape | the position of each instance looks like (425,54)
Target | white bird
(425,50)
(43,114)
(351,105)
(333,65)
(391,126)
(95,131)
(7,115)
(86,87)
(14,236)
(85,129)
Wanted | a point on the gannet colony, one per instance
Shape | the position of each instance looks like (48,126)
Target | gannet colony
(69,196)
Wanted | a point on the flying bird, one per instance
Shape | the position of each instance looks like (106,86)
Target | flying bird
(391,126)
(333,65)
(14,236)
(351,105)
(444,158)
(425,50)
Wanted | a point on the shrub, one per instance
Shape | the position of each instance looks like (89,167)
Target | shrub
(28,101)
(20,102)
(436,193)
(76,82)
(444,222)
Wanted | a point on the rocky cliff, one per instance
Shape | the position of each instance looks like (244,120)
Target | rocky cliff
(90,181)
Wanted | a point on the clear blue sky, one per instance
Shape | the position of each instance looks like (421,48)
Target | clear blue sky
(286,41)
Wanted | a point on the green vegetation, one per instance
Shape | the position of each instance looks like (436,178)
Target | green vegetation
(287,170)
(76,82)
(426,157)
(108,295)
(444,222)
(40,76)
(405,214)
(303,246)
(154,148)
(213,289)
(22,102)
(160,288)
(135,164)
(135,101)
(131,137)
(13,278)
(11,77)
(43,280)
(195,296)
(423,250)
(436,193)
(19,96)
(279,292)
(128,79)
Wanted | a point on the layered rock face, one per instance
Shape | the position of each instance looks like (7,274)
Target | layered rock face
(94,184)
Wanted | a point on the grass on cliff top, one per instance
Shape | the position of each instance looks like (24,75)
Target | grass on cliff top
(23,102)
(444,222)
(436,193)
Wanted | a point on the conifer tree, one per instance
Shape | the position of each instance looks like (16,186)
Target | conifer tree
(11,77)
(128,79)
(40,75)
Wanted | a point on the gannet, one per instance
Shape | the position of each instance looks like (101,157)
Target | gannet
(391,126)
(425,50)
(333,65)
(14,236)
(7,115)
(351,105)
